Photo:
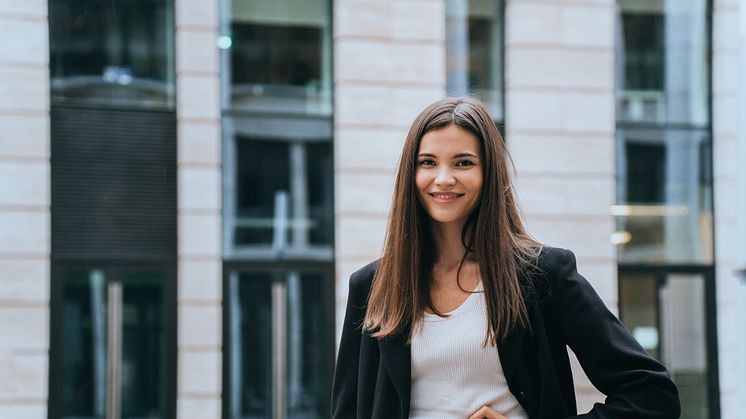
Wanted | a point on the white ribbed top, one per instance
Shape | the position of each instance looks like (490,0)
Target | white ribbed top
(453,376)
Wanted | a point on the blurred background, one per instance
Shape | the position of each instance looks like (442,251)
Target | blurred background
(186,185)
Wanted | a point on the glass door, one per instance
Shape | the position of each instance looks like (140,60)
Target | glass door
(279,353)
(672,315)
(109,342)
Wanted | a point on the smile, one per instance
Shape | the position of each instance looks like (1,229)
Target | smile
(445,197)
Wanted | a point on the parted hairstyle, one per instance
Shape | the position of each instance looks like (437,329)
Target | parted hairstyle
(493,234)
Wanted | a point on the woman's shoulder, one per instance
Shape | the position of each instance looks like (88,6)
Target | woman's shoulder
(550,265)
(552,259)
(362,279)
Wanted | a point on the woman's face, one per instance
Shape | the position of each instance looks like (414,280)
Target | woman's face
(449,174)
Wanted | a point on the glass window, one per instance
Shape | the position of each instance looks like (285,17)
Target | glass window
(277,56)
(278,320)
(664,196)
(278,208)
(667,314)
(283,204)
(112,52)
(277,129)
(663,152)
(662,62)
(474,51)
(86,364)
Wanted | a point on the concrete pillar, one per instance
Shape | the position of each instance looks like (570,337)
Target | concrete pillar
(729,149)
(24,209)
(560,130)
(199,210)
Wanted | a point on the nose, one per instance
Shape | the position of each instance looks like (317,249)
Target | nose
(445,177)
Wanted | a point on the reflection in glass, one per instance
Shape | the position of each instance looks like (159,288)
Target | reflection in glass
(664,199)
(639,310)
(667,316)
(254,351)
(283,194)
(112,53)
(279,58)
(474,51)
(662,62)
(84,342)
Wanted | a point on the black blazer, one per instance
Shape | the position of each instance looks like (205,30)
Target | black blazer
(373,377)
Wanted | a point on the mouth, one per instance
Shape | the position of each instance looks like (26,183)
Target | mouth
(445,197)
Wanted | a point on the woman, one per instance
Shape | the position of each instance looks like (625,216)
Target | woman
(465,315)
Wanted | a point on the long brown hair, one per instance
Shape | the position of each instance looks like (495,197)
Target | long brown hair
(493,232)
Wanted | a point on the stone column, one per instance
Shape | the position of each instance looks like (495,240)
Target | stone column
(388,65)
(728,105)
(199,210)
(24,209)
(560,130)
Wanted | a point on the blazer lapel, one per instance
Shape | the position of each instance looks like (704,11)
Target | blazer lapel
(397,359)
(519,362)
(509,350)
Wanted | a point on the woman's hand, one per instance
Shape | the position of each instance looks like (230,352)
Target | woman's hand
(486,413)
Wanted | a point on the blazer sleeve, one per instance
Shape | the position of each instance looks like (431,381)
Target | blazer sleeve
(345,384)
(636,385)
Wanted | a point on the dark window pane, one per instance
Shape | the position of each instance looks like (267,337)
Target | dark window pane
(276,55)
(279,57)
(307,371)
(263,174)
(284,195)
(112,52)
(644,51)
(320,192)
(143,356)
(646,173)
(84,343)
(255,348)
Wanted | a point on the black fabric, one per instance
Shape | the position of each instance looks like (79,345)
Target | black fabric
(373,377)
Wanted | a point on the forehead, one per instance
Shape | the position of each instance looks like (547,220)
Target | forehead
(449,140)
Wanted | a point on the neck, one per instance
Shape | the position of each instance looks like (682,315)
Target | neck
(448,246)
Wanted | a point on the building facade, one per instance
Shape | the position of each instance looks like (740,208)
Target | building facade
(186,186)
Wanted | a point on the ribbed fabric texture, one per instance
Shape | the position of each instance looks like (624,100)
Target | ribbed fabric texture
(453,376)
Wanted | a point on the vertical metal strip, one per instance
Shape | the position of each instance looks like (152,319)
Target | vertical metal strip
(280,222)
(299,199)
(295,340)
(236,346)
(97,281)
(279,350)
(114,351)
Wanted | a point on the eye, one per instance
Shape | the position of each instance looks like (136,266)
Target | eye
(426,162)
(463,163)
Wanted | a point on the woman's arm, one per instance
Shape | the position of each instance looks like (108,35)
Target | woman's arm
(344,388)
(636,385)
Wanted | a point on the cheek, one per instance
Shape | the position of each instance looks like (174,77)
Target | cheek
(476,186)
(420,181)
(476,183)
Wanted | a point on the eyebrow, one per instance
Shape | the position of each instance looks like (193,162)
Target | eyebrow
(455,156)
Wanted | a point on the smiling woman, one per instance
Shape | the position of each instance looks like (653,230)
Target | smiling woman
(465,314)
(449,176)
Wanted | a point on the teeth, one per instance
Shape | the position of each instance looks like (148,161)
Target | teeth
(445,196)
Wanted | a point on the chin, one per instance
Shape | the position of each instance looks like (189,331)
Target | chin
(446,218)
